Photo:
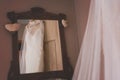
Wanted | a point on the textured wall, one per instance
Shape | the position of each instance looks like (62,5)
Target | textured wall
(56,6)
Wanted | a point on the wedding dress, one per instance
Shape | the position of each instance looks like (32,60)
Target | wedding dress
(99,57)
(31,54)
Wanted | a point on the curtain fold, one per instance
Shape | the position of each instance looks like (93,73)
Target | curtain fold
(101,37)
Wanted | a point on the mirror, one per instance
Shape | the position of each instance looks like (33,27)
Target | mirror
(39,46)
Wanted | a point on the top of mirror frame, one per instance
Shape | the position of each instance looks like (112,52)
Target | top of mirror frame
(34,13)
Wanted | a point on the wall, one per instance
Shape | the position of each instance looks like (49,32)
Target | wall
(56,6)
(81,11)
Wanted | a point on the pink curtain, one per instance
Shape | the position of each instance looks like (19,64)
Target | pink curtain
(102,37)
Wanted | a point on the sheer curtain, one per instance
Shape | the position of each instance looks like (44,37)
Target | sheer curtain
(102,36)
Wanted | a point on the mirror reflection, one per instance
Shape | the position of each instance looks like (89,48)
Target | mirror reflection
(39,46)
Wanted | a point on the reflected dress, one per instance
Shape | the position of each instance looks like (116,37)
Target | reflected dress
(31,55)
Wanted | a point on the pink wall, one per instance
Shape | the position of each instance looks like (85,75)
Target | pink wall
(56,6)
(81,11)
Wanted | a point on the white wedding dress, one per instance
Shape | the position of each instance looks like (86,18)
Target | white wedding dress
(31,54)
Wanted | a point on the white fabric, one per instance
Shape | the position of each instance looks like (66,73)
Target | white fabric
(32,56)
(102,36)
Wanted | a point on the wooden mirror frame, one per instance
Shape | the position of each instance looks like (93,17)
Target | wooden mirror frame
(38,13)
